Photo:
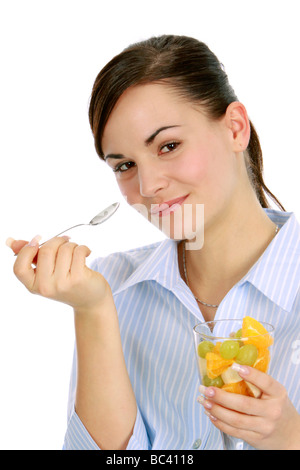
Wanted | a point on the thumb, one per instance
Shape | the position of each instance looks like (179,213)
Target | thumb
(15,245)
(261,381)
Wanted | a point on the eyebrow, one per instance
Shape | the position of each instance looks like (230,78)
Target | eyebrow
(152,137)
(117,156)
(148,141)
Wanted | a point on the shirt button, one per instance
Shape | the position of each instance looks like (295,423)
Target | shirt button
(197,444)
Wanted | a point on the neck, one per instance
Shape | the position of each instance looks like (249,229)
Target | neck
(231,247)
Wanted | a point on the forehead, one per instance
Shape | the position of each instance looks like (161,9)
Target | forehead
(142,108)
(150,97)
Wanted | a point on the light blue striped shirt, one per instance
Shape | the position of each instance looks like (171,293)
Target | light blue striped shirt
(157,313)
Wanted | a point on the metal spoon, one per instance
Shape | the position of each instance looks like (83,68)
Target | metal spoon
(98,219)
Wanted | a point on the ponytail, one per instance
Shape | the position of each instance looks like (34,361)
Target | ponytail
(255,171)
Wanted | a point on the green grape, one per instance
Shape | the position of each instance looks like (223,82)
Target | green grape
(238,334)
(229,349)
(217,382)
(206,381)
(247,355)
(204,347)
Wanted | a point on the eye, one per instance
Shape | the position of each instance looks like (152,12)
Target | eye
(167,148)
(122,167)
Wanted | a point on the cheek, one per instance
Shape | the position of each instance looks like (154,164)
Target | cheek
(195,169)
(129,189)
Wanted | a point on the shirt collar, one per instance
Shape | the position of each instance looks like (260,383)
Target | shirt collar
(276,274)
(161,265)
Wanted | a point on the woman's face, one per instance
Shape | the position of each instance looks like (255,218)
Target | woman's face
(168,157)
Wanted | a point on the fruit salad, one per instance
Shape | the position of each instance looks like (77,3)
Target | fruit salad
(247,346)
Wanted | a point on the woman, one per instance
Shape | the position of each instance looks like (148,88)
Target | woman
(167,122)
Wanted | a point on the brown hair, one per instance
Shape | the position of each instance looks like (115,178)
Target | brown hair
(193,70)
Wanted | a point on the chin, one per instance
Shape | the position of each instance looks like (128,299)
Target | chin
(187,224)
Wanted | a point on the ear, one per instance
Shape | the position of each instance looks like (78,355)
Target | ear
(237,122)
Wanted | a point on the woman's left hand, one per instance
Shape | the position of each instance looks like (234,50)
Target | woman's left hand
(270,422)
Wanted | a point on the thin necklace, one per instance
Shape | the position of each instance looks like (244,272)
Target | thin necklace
(186,278)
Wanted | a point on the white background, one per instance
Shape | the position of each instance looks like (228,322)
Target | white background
(51,177)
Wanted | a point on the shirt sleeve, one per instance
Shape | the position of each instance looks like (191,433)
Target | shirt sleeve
(78,438)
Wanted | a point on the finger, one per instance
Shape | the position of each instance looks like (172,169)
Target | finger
(229,416)
(15,245)
(245,434)
(233,401)
(47,258)
(269,386)
(79,255)
(23,265)
(64,259)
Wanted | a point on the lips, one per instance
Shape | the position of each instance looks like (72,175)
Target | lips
(168,206)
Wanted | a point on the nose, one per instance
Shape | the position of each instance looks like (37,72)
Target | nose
(151,180)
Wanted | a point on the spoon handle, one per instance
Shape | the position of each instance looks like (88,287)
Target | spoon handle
(79,225)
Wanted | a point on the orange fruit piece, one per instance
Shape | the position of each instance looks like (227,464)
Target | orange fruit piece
(237,387)
(216,365)
(216,349)
(253,332)
(263,360)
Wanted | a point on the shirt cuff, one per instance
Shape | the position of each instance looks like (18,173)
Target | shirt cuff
(78,438)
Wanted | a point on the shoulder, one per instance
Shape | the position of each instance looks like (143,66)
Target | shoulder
(129,258)
(119,266)
(289,228)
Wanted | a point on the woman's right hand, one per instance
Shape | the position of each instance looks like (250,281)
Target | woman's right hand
(104,400)
(60,273)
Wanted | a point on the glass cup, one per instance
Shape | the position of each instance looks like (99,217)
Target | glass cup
(221,343)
